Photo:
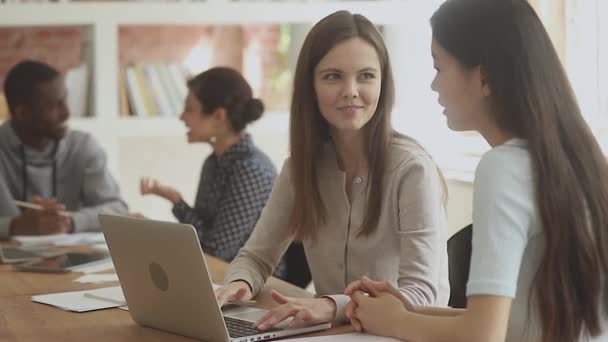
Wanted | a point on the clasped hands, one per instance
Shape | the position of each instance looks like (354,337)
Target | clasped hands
(376,307)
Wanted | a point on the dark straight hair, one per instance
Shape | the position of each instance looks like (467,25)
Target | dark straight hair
(533,100)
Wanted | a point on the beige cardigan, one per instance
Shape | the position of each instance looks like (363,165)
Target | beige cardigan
(408,248)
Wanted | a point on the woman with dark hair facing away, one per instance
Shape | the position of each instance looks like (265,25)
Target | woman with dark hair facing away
(363,199)
(236,179)
(540,205)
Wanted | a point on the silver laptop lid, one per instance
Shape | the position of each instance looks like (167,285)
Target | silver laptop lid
(164,276)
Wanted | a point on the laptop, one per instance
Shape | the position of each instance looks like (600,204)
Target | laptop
(166,283)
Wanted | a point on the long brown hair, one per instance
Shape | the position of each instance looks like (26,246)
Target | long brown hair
(309,131)
(533,100)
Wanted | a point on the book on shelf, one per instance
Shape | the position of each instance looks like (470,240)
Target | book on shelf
(3,107)
(144,90)
(77,85)
(123,102)
(136,100)
(152,89)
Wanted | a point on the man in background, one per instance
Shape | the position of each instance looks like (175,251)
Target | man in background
(52,179)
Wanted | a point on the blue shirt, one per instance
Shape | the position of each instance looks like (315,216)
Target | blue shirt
(232,192)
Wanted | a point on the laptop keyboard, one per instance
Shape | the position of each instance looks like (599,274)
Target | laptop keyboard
(239,328)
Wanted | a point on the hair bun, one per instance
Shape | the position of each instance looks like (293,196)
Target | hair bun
(254,108)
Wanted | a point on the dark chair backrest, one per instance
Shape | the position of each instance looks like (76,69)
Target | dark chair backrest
(459,262)
(298,272)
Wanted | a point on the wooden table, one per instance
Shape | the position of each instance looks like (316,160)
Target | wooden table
(23,320)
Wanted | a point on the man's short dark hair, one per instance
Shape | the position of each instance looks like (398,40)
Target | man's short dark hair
(21,82)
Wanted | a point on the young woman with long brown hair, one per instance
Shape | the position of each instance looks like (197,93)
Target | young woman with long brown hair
(363,199)
(540,211)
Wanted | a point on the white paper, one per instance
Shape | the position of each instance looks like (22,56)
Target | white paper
(97,278)
(60,239)
(101,248)
(352,337)
(94,267)
(110,294)
(78,302)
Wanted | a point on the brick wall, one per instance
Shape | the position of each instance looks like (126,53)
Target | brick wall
(58,46)
(63,48)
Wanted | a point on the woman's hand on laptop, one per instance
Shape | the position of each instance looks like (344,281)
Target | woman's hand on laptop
(305,311)
(233,292)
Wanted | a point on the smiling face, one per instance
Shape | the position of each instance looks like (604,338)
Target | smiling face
(347,83)
(462,91)
(201,126)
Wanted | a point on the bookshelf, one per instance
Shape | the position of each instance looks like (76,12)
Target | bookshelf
(103,19)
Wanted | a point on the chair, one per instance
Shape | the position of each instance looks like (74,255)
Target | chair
(298,272)
(459,262)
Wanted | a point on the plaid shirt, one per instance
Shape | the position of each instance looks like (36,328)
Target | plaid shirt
(232,192)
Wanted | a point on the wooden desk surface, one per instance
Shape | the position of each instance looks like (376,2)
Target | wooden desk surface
(23,320)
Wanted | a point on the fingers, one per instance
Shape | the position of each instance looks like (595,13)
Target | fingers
(240,294)
(279,298)
(350,313)
(358,297)
(137,215)
(148,185)
(54,223)
(224,297)
(237,291)
(48,203)
(356,321)
(277,315)
(224,294)
(145,185)
(370,287)
(301,318)
(367,285)
(352,287)
(349,309)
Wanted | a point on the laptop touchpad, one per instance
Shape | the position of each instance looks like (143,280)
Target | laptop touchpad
(245,313)
(251,315)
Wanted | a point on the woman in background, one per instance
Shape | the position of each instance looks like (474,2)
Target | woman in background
(236,179)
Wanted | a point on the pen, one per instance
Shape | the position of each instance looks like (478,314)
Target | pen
(38,207)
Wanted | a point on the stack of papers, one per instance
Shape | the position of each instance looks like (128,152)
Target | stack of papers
(75,239)
(83,301)
(94,266)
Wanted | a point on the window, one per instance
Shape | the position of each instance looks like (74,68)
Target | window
(580,37)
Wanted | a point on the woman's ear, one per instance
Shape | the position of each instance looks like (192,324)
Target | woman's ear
(220,114)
